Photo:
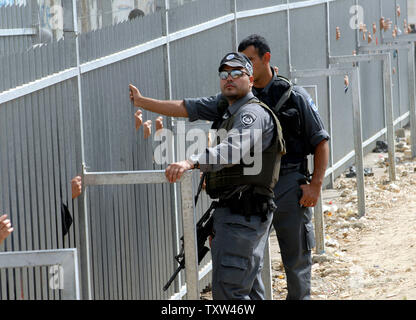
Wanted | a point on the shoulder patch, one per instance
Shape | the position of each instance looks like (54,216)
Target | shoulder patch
(312,105)
(247,118)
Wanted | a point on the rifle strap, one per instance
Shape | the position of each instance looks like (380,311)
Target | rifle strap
(201,182)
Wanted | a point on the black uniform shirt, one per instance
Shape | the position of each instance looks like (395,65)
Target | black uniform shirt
(301,124)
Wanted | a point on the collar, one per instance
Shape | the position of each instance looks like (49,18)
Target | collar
(267,87)
(239,103)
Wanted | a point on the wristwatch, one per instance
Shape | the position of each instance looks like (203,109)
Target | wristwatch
(194,159)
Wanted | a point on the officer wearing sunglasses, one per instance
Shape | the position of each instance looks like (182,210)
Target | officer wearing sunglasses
(244,209)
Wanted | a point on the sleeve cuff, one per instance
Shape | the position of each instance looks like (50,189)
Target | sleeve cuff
(191,109)
(318,137)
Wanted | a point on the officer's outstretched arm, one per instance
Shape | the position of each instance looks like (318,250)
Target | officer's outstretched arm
(171,108)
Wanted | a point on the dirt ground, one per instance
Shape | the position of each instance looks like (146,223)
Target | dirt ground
(367,258)
(373,257)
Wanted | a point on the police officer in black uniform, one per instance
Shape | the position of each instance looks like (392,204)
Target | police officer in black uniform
(244,210)
(304,134)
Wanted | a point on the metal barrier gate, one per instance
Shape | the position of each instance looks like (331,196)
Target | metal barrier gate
(188,213)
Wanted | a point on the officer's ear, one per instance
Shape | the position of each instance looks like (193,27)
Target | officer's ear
(266,58)
(251,78)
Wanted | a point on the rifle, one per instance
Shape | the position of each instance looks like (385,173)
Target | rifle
(203,231)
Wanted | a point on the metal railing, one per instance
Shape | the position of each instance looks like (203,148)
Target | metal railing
(353,73)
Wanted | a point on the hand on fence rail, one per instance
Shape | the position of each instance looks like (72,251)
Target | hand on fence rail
(175,170)
(5,228)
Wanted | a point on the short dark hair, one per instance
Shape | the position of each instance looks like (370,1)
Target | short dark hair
(257,42)
(135,13)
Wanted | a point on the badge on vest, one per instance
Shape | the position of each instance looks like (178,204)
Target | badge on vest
(247,119)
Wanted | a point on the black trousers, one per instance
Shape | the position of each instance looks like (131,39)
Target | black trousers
(294,231)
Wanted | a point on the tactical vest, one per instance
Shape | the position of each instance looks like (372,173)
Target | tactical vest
(220,182)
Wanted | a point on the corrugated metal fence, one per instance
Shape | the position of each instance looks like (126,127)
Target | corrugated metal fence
(133,230)
(18,20)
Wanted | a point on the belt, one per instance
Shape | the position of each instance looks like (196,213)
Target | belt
(249,204)
(290,167)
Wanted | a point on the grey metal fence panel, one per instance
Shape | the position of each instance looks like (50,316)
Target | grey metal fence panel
(119,37)
(196,12)
(371,75)
(403,62)
(49,59)
(388,11)
(308,48)
(247,4)
(203,52)
(36,160)
(404,85)
(108,110)
(308,37)
(342,121)
(338,13)
(277,39)
(16,17)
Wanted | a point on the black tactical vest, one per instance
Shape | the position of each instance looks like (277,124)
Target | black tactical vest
(223,181)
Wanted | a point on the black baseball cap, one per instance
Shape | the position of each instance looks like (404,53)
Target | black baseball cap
(236,59)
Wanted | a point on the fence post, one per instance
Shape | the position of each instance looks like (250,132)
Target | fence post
(190,239)
(84,252)
(319,226)
(358,140)
(234,28)
(331,151)
(170,126)
(267,271)
(388,90)
(412,98)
